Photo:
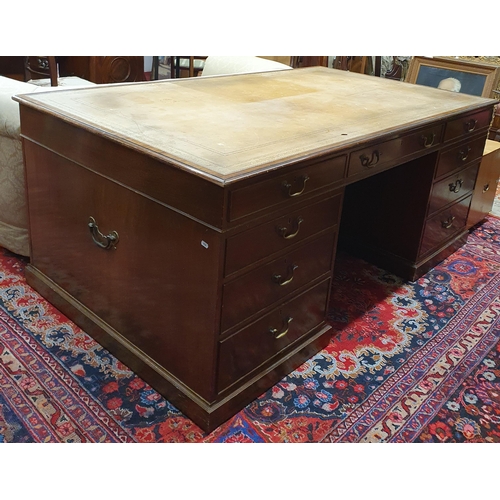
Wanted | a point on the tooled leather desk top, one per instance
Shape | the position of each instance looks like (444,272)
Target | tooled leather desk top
(222,126)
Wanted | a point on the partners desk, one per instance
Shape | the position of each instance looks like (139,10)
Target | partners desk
(190,226)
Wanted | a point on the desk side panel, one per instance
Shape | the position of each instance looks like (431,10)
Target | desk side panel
(157,288)
(486,184)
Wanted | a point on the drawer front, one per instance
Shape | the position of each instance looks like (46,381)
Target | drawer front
(467,124)
(257,243)
(246,350)
(452,188)
(373,157)
(444,225)
(267,284)
(379,155)
(422,140)
(460,156)
(285,189)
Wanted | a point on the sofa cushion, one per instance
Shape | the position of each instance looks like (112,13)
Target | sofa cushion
(9,109)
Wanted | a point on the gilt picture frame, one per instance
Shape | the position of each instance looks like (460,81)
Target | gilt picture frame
(467,77)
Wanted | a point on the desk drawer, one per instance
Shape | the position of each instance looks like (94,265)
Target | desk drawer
(460,156)
(285,189)
(452,187)
(420,141)
(262,241)
(379,155)
(246,350)
(467,124)
(267,284)
(373,157)
(444,225)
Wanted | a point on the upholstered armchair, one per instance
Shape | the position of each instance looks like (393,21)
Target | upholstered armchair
(13,209)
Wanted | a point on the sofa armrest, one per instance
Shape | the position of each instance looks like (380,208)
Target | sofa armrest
(9,109)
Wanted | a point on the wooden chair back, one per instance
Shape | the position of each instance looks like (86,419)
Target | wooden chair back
(38,67)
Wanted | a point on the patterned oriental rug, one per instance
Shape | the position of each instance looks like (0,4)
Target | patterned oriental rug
(409,362)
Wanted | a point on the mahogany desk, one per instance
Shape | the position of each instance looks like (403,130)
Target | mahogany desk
(190,226)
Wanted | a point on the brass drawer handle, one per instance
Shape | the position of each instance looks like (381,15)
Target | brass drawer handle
(456,186)
(368,162)
(107,242)
(277,278)
(282,231)
(448,222)
(288,187)
(470,125)
(284,331)
(428,140)
(464,153)
(486,187)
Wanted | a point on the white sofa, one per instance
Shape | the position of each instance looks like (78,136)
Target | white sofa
(13,209)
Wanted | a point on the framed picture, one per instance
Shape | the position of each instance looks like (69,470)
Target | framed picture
(457,75)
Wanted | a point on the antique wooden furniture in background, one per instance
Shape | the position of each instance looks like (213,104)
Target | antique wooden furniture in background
(307,61)
(186,66)
(41,67)
(396,72)
(357,64)
(43,71)
(197,244)
(97,69)
(486,183)
(12,67)
(103,69)
(288,60)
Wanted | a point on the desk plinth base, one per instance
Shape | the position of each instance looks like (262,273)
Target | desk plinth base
(207,416)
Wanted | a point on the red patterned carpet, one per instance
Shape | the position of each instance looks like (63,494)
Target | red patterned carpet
(410,362)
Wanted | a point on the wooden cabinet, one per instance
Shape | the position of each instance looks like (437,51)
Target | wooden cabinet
(103,69)
(486,183)
(97,69)
(196,238)
(12,67)
(305,61)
